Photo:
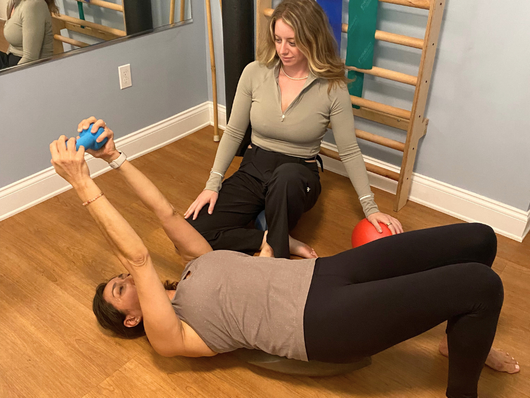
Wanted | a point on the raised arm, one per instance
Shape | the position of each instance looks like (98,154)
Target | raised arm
(186,239)
(167,334)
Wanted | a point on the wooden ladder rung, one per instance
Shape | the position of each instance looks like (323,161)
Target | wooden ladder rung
(370,167)
(424,4)
(392,38)
(103,4)
(399,39)
(388,74)
(382,171)
(390,110)
(383,118)
(377,139)
(73,42)
(92,25)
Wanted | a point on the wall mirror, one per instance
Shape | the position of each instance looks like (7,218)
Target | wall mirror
(84,23)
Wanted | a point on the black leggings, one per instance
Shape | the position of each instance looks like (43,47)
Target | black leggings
(368,299)
(8,60)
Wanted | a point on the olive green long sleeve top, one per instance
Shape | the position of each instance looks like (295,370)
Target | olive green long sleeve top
(296,132)
(29,31)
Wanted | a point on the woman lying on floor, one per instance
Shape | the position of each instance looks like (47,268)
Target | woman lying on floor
(333,309)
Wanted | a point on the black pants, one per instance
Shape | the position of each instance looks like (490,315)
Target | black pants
(284,186)
(368,299)
(8,60)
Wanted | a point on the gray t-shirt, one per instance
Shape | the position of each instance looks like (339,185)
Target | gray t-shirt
(29,31)
(296,132)
(233,300)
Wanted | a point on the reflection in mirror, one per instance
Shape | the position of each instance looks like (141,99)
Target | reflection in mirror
(35,29)
(28,31)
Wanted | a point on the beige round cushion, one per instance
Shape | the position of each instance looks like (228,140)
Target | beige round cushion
(299,368)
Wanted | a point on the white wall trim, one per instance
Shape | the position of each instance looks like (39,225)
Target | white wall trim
(221,115)
(468,206)
(46,184)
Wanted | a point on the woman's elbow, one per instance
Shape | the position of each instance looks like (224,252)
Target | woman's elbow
(165,212)
(167,350)
(140,258)
(166,353)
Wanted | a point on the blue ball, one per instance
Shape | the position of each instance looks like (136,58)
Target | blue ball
(261,222)
(88,140)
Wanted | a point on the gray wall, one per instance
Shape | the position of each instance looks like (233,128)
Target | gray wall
(39,103)
(479,133)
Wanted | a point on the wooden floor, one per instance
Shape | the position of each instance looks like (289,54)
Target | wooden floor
(52,256)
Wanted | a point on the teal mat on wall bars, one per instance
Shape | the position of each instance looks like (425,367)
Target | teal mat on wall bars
(362,20)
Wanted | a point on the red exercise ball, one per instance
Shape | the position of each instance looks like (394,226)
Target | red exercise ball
(365,232)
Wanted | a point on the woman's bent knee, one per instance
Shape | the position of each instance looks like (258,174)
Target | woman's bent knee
(485,234)
(483,240)
(487,283)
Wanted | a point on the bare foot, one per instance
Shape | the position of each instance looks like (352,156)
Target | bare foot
(497,360)
(300,249)
(266,249)
(502,362)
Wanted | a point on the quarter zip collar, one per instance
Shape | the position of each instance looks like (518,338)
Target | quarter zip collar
(307,84)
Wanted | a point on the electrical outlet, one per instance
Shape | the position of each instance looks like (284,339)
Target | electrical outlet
(125,76)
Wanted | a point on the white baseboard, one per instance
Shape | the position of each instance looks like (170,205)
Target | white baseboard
(45,184)
(468,206)
(221,115)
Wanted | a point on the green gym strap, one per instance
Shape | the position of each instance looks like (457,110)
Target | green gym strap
(355,87)
(81,12)
(362,19)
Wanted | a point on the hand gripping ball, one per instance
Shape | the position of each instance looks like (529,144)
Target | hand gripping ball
(365,232)
(88,140)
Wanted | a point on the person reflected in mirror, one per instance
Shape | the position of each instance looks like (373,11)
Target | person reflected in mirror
(290,95)
(28,30)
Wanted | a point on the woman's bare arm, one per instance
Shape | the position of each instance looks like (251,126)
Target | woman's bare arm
(186,239)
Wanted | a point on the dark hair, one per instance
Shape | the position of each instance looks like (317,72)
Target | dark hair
(112,319)
(52,6)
